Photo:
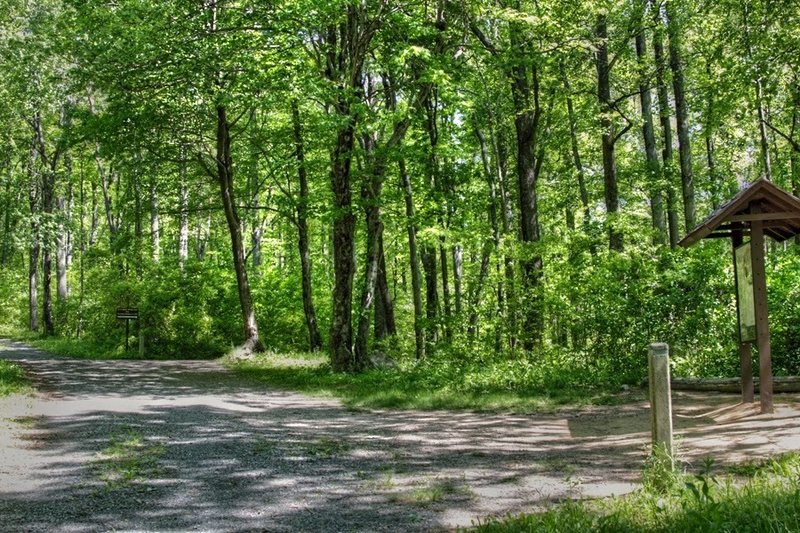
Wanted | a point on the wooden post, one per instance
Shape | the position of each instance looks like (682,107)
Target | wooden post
(760,303)
(660,397)
(141,339)
(745,351)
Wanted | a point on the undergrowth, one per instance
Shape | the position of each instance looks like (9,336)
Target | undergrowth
(439,382)
(12,379)
(762,497)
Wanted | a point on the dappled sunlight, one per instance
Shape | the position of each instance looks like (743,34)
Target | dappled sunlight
(228,455)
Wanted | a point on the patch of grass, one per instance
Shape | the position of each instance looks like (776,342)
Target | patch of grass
(326,447)
(433,492)
(434,383)
(785,464)
(768,501)
(127,459)
(12,379)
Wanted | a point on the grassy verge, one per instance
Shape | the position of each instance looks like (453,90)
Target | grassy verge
(69,346)
(12,379)
(763,497)
(449,380)
(431,384)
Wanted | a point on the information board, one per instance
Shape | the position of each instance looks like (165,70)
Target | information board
(744,293)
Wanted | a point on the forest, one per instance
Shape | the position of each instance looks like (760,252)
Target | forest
(467,184)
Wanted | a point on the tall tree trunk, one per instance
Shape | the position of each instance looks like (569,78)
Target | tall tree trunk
(155,221)
(49,165)
(385,323)
(377,158)
(105,186)
(314,337)
(94,225)
(525,95)
(458,274)
(5,246)
(576,158)
(416,281)
(34,199)
(762,131)
(202,238)
(666,127)
(610,188)
(341,336)
(224,167)
(681,116)
(370,195)
(62,289)
(648,133)
(63,236)
(491,243)
(183,229)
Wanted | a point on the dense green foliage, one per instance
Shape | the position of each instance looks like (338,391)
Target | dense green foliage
(128,125)
(768,501)
(443,381)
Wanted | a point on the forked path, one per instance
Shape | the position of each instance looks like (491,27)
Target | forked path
(146,445)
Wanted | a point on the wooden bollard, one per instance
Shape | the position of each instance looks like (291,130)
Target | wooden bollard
(660,397)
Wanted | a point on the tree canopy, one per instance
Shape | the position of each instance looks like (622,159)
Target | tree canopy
(426,178)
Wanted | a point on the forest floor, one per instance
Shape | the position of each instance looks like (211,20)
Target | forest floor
(189,445)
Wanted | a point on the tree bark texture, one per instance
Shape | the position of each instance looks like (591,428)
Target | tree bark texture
(666,128)
(416,278)
(610,187)
(648,134)
(314,337)
(224,167)
(677,67)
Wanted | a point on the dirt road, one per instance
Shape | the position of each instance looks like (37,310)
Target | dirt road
(154,445)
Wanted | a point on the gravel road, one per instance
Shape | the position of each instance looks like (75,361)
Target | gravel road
(178,446)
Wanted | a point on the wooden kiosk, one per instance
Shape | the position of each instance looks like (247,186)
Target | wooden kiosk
(760,208)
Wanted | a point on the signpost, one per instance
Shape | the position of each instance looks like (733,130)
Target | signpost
(127,314)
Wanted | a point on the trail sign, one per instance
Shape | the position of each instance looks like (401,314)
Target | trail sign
(127,313)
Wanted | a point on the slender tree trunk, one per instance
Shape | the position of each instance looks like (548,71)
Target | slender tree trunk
(202,238)
(385,323)
(314,337)
(224,167)
(416,281)
(183,229)
(95,222)
(49,165)
(62,289)
(63,235)
(676,64)
(458,274)
(648,133)
(155,221)
(525,95)
(762,131)
(490,244)
(576,158)
(5,251)
(506,293)
(105,186)
(610,188)
(370,195)
(341,336)
(34,197)
(666,127)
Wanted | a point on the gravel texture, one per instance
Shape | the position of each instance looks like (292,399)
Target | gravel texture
(179,446)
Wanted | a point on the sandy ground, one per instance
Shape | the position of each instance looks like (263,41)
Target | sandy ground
(219,455)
